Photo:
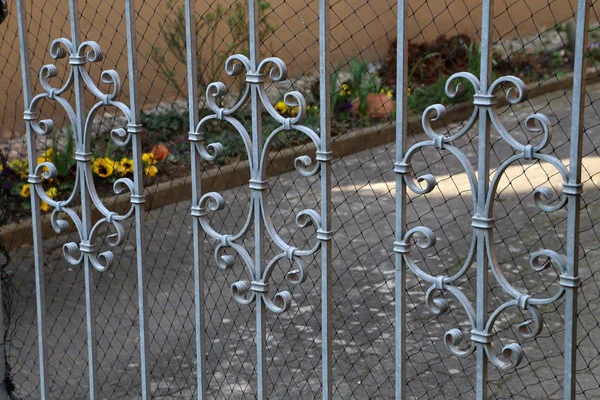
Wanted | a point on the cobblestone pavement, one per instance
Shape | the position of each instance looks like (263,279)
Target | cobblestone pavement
(363,197)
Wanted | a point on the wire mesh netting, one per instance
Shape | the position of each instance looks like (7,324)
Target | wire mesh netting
(532,40)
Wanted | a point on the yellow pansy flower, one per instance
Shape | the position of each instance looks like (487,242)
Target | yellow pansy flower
(44,207)
(148,159)
(346,89)
(127,163)
(48,154)
(294,111)
(20,167)
(103,167)
(281,107)
(125,166)
(42,159)
(52,193)
(25,190)
(388,92)
(151,171)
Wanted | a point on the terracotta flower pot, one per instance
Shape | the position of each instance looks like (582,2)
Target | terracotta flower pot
(160,152)
(379,105)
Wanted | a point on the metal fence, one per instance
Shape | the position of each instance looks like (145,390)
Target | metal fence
(301,297)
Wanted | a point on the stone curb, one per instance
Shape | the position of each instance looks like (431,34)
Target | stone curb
(229,176)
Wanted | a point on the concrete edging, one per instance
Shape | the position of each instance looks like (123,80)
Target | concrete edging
(229,176)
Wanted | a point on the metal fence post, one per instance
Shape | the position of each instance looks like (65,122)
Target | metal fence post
(325,231)
(134,127)
(35,203)
(83,156)
(258,196)
(481,211)
(192,82)
(401,198)
(573,189)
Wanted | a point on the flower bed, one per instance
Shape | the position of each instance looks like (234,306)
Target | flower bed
(106,170)
(363,96)
(171,190)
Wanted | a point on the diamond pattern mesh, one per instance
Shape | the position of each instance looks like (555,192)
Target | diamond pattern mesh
(527,45)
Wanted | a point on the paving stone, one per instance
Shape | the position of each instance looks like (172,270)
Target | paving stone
(363,289)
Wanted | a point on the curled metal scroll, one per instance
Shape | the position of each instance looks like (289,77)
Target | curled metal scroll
(90,241)
(257,288)
(545,199)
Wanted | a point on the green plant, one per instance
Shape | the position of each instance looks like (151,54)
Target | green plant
(360,85)
(424,96)
(56,187)
(208,41)
(418,64)
(168,124)
(474,61)
(337,96)
(364,82)
(63,158)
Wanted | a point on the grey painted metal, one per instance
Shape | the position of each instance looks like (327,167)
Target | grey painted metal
(483,187)
(83,155)
(483,171)
(134,127)
(35,204)
(89,251)
(257,187)
(573,189)
(195,160)
(324,233)
(259,269)
(401,198)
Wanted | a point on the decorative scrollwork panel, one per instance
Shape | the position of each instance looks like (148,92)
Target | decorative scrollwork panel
(64,211)
(96,237)
(483,184)
(483,220)
(257,287)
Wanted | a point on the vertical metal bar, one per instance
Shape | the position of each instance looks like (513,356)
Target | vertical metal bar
(401,198)
(134,128)
(257,195)
(35,204)
(86,203)
(483,172)
(573,190)
(192,82)
(325,160)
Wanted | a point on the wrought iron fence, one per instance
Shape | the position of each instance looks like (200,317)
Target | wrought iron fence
(336,281)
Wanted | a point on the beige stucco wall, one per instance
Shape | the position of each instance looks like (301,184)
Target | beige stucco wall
(357,26)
